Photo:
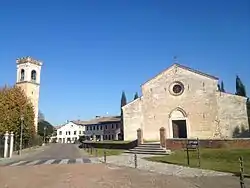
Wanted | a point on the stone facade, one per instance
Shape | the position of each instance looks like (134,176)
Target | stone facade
(182,97)
(28,78)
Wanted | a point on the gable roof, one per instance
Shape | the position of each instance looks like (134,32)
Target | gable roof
(186,68)
(98,120)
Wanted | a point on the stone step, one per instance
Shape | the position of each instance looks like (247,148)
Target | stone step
(148,150)
(149,153)
(149,146)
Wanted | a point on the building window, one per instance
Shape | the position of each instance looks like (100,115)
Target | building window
(176,88)
(90,128)
(33,75)
(117,126)
(106,127)
(22,75)
(112,126)
(69,132)
(74,132)
(60,132)
(66,132)
(94,127)
(100,127)
(80,132)
(97,127)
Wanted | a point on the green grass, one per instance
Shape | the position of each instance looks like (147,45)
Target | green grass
(225,160)
(109,152)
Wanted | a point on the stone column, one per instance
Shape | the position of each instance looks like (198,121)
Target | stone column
(163,137)
(94,137)
(101,137)
(6,137)
(11,143)
(139,137)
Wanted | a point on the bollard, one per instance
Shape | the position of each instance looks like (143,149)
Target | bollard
(135,158)
(242,183)
(105,156)
(96,152)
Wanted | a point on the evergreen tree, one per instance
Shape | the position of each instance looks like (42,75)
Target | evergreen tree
(123,103)
(123,99)
(136,96)
(222,87)
(218,85)
(240,88)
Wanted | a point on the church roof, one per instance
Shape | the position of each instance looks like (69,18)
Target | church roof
(186,68)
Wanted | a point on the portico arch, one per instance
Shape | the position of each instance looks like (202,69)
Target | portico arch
(178,123)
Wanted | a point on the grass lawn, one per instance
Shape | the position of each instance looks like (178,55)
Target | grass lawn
(225,160)
(109,152)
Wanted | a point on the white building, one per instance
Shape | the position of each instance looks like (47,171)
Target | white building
(69,132)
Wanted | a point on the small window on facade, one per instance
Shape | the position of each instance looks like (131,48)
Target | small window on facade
(80,132)
(33,75)
(93,127)
(69,132)
(97,127)
(112,126)
(106,127)
(60,132)
(90,128)
(74,132)
(101,127)
(22,75)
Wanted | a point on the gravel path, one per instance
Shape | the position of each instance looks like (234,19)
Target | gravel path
(162,168)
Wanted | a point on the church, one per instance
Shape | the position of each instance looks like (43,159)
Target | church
(187,103)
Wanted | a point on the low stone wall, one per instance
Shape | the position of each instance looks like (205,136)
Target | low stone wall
(175,144)
(109,145)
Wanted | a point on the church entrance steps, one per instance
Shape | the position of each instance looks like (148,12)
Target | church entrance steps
(149,148)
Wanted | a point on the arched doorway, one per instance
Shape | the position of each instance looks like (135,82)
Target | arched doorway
(178,123)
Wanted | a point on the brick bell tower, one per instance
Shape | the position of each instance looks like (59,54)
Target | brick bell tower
(28,78)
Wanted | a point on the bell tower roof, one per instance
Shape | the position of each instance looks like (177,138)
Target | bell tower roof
(28,59)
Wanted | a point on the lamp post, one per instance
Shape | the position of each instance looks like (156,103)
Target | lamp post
(21,135)
(44,131)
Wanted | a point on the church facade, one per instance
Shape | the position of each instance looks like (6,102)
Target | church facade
(188,104)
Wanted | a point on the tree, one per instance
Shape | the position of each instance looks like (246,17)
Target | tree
(123,103)
(136,96)
(40,116)
(45,124)
(14,104)
(240,88)
(222,87)
(123,99)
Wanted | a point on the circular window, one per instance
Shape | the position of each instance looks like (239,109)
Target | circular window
(176,88)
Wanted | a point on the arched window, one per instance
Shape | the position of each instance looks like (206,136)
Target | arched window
(22,75)
(33,75)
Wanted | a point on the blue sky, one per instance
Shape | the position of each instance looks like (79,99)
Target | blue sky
(92,50)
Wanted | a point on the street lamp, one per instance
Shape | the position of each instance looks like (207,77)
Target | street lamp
(44,131)
(21,134)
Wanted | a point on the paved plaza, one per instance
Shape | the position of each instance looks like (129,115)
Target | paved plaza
(64,166)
